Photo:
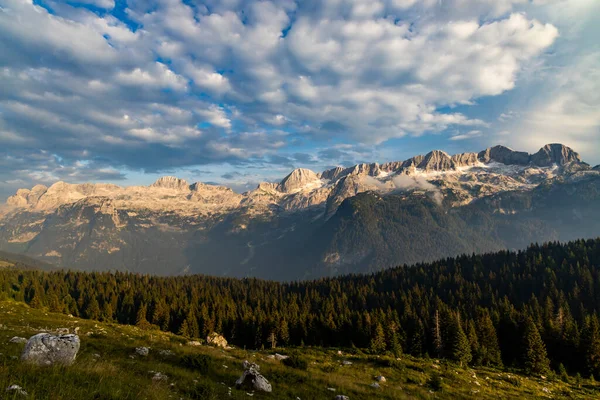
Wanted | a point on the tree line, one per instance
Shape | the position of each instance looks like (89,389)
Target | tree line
(535,309)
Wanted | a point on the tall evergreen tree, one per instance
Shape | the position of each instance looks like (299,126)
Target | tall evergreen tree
(535,359)
(590,345)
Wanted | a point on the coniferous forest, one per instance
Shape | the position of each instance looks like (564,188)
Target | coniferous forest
(535,309)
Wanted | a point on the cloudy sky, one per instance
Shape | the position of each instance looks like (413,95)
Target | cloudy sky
(236,92)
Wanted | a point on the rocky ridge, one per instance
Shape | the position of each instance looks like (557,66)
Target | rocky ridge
(175,227)
(462,177)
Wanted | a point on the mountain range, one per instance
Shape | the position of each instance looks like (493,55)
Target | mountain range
(342,220)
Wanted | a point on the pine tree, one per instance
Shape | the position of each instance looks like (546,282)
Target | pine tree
(457,346)
(377,344)
(535,359)
(438,344)
(140,319)
(92,311)
(473,342)
(590,345)
(184,329)
(489,349)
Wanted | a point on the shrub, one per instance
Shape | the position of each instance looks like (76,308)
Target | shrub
(198,362)
(435,382)
(295,361)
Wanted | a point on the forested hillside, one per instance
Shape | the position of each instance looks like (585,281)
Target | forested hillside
(535,309)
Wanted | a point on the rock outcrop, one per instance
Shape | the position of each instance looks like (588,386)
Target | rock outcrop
(554,154)
(47,349)
(171,182)
(251,379)
(217,340)
(464,160)
(18,339)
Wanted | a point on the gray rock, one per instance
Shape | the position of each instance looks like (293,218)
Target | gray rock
(375,385)
(47,349)
(18,339)
(346,362)
(380,378)
(341,397)
(251,379)
(280,356)
(142,351)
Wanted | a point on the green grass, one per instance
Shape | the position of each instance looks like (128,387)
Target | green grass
(207,373)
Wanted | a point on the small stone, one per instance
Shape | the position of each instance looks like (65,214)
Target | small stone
(380,378)
(375,385)
(280,356)
(331,389)
(165,353)
(194,343)
(341,397)
(159,376)
(17,389)
(142,351)
(18,339)
(346,362)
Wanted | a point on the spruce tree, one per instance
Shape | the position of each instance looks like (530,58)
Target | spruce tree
(535,359)
(456,343)
(489,349)
(378,340)
(590,345)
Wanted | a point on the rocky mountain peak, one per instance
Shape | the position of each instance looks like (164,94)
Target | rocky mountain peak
(436,160)
(171,182)
(554,153)
(465,159)
(297,179)
(503,155)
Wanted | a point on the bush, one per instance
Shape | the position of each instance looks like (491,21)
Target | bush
(295,361)
(435,382)
(198,362)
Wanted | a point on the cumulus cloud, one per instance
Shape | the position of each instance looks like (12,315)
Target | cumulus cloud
(163,84)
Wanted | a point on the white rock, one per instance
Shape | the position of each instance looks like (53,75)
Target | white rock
(252,379)
(47,349)
(341,397)
(346,362)
(194,343)
(142,351)
(375,385)
(16,388)
(280,356)
(159,376)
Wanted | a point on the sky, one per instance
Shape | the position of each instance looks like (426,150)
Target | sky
(236,92)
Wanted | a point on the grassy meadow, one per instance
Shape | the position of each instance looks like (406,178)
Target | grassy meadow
(107,367)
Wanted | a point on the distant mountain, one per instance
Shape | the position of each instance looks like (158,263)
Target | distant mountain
(361,218)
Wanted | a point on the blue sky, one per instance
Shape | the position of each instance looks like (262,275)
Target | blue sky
(236,92)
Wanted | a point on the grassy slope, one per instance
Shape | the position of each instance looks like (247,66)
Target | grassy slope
(116,375)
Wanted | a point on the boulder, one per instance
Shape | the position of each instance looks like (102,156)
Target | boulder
(251,379)
(18,339)
(47,349)
(142,351)
(341,397)
(380,378)
(216,340)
